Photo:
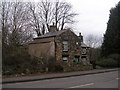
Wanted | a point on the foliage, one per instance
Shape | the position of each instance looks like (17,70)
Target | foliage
(107,63)
(77,67)
(111,43)
(16,61)
(110,61)
(94,54)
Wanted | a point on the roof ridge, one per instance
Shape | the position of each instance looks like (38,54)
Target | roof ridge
(51,34)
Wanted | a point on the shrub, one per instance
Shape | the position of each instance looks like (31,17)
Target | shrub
(110,61)
(18,61)
(116,57)
(107,63)
(58,68)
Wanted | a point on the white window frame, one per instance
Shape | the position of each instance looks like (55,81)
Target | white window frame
(65,59)
(65,45)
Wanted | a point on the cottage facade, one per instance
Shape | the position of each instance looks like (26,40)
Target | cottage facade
(64,46)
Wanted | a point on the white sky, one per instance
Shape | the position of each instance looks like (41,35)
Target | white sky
(93,15)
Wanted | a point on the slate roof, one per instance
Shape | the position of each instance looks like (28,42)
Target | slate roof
(51,34)
(84,45)
(56,33)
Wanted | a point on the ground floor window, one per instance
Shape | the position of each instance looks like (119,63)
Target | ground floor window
(84,60)
(76,59)
(65,58)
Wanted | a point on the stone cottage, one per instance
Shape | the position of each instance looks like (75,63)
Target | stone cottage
(84,53)
(64,46)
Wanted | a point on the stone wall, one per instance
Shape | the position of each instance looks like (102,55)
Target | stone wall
(74,49)
(53,47)
(41,48)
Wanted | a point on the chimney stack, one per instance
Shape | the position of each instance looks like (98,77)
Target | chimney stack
(81,37)
(52,28)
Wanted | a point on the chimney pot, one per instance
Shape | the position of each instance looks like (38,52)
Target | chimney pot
(81,37)
(80,34)
(52,28)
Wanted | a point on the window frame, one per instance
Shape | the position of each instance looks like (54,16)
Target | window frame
(78,59)
(65,56)
(65,46)
(84,51)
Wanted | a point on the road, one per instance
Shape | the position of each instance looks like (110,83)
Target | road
(101,80)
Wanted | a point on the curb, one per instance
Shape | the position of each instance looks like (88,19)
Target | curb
(62,76)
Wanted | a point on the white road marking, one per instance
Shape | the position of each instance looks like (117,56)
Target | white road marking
(82,85)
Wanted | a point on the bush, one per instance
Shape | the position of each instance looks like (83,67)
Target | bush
(116,57)
(110,61)
(107,63)
(58,68)
(18,61)
(53,66)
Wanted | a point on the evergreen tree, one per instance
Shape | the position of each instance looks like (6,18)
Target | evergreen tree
(111,43)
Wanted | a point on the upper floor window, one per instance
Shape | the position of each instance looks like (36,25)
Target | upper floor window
(84,51)
(65,45)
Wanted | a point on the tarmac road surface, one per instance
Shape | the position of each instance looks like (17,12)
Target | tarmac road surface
(100,80)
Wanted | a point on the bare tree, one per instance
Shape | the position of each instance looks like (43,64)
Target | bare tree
(94,43)
(19,20)
(63,14)
(15,23)
(41,16)
(35,20)
(45,13)
(4,21)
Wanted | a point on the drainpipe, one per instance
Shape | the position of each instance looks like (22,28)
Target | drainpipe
(55,48)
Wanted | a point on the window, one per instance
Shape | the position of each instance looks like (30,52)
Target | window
(76,59)
(65,45)
(84,51)
(65,59)
(84,60)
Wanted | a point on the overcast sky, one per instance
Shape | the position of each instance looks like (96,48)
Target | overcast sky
(93,15)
